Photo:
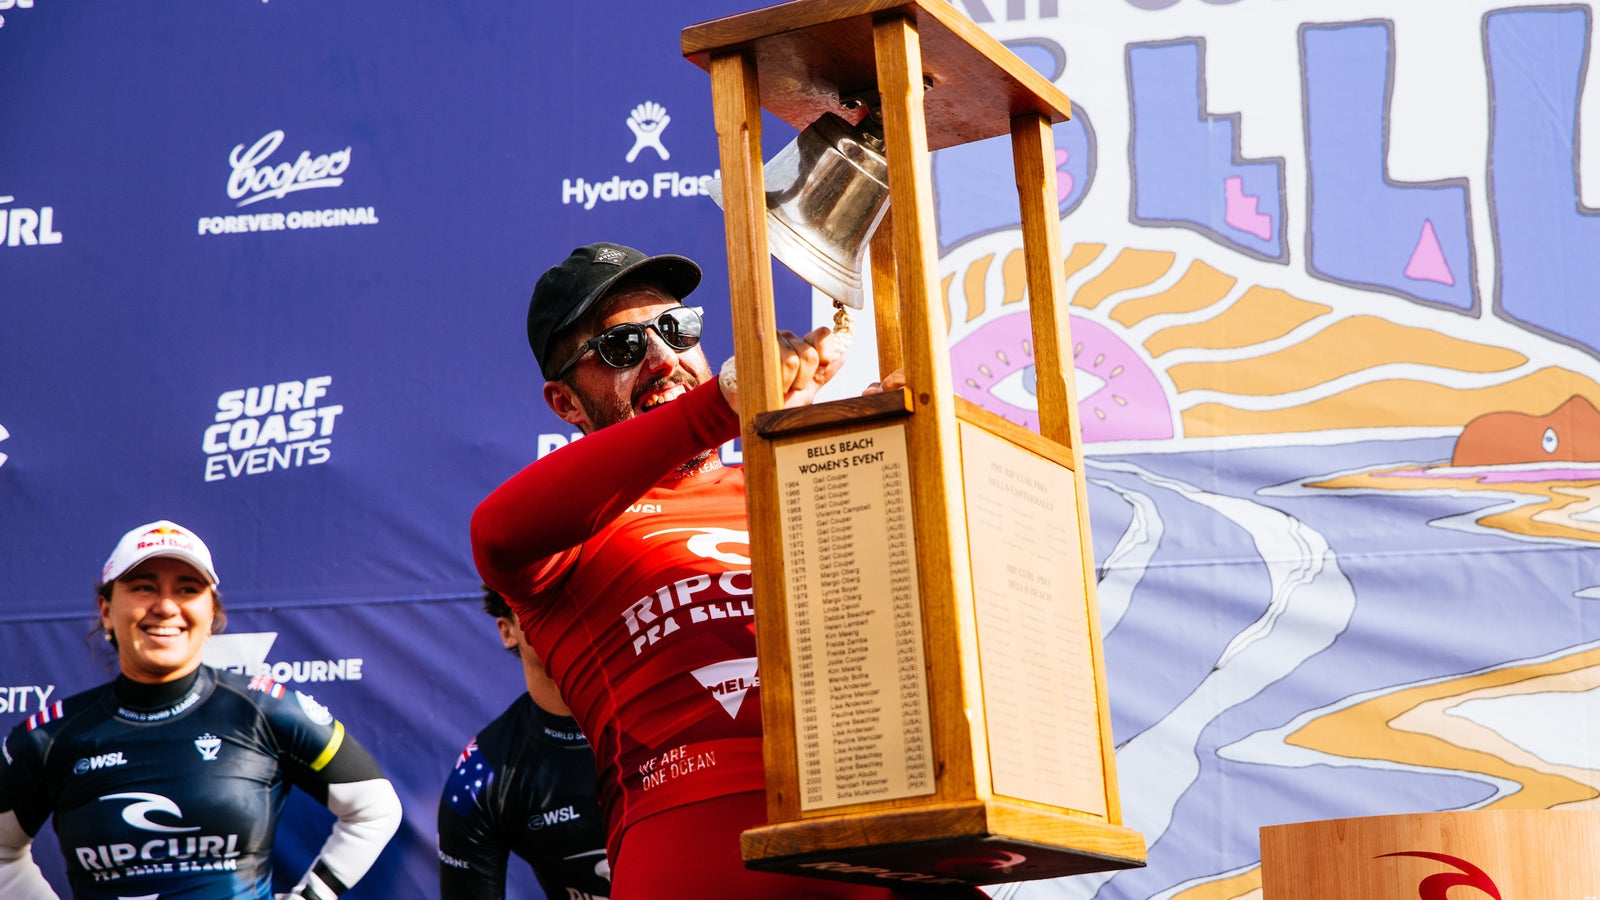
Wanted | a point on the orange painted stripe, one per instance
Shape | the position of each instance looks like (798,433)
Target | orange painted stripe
(1391,403)
(1261,314)
(1131,269)
(1351,345)
(1199,287)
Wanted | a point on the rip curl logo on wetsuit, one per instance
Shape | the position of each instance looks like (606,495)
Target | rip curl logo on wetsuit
(190,853)
(672,607)
(145,805)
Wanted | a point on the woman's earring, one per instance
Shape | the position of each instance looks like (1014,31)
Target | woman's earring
(107,635)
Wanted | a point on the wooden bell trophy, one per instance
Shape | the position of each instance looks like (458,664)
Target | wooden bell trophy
(932,682)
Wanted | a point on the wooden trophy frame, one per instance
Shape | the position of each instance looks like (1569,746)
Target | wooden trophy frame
(932,683)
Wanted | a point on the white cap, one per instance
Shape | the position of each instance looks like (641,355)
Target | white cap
(161,538)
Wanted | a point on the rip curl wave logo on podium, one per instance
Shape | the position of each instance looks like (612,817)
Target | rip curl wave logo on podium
(1434,887)
(1485,854)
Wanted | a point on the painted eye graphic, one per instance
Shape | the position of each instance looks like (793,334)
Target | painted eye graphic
(1020,388)
(1549,442)
(1119,397)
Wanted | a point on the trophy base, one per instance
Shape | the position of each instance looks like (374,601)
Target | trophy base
(967,843)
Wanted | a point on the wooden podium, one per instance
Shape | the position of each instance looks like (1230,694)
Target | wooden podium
(1501,854)
(929,648)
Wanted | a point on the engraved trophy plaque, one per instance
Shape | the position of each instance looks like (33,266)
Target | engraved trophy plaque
(932,684)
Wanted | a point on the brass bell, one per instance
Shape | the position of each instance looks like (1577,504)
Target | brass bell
(826,193)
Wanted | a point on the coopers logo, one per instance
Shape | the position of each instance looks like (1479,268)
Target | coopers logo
(254,177)
(647,122)
(253,180)
(271,427)
(24,226)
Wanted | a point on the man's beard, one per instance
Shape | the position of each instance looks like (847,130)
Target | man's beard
(611,410)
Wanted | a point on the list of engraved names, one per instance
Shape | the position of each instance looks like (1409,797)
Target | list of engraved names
(855,624)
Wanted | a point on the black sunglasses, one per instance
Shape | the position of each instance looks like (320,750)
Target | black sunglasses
(624,346)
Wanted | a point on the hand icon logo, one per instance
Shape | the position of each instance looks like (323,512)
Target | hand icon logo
(647,121)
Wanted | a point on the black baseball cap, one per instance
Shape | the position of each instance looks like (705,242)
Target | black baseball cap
(565,292)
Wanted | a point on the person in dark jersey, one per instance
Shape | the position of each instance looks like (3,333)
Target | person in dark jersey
(523,785)
(168,781)
(626,558)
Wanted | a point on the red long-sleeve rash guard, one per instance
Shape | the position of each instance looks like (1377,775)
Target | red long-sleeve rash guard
(633,585)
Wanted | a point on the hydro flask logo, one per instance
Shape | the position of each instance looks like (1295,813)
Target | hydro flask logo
(1434,887)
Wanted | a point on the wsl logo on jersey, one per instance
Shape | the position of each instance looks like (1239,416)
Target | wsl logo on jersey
(258,172)
(26,226)
(270,427)
(101,761)
(647,124)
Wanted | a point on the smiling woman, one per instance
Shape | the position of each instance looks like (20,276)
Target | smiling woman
(201,758)
(159,604)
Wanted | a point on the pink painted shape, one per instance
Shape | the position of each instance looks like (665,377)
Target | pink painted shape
(1130,404)
(1427,260)
(1063,177)
(1244,210)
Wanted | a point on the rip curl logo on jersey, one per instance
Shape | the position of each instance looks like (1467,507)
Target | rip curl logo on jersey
(209,746)
(193,853)
(1435,887)
(138,812)
(246,653)
(254,177)
(270,428)
(672,607)
(26,226)
(713,543)
(729,681)
(646,122)
(3,435)
(100,761)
